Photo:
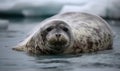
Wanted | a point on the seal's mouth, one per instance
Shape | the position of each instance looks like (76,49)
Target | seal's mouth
(57,42)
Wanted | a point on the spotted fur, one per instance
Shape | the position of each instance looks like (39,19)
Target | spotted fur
(90,34)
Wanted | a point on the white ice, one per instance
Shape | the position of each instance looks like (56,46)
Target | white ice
(104,8)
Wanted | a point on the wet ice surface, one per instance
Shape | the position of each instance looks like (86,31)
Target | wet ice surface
(12,60)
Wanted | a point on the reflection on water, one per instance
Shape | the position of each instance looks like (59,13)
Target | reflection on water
(11,60)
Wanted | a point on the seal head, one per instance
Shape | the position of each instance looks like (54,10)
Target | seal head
(57,35)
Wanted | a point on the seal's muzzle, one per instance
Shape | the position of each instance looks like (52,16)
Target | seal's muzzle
(57,41)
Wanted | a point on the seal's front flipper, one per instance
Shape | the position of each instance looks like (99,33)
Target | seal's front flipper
(20,48)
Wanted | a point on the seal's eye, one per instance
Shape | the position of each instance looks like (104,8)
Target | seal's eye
(65,29)
(49,29)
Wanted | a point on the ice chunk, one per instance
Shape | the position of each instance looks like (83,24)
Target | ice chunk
(104,8)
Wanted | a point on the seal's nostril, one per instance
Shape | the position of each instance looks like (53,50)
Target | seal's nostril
(58,35)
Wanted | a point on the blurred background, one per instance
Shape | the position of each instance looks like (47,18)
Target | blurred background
(33,8)
(19,17)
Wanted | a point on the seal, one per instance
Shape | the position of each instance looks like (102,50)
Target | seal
(69,33)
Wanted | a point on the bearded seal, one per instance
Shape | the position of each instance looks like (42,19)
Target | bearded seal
(69,33)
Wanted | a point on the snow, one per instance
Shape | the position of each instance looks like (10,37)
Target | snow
(104,8)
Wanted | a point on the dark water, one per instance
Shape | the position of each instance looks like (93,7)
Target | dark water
(19,61)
